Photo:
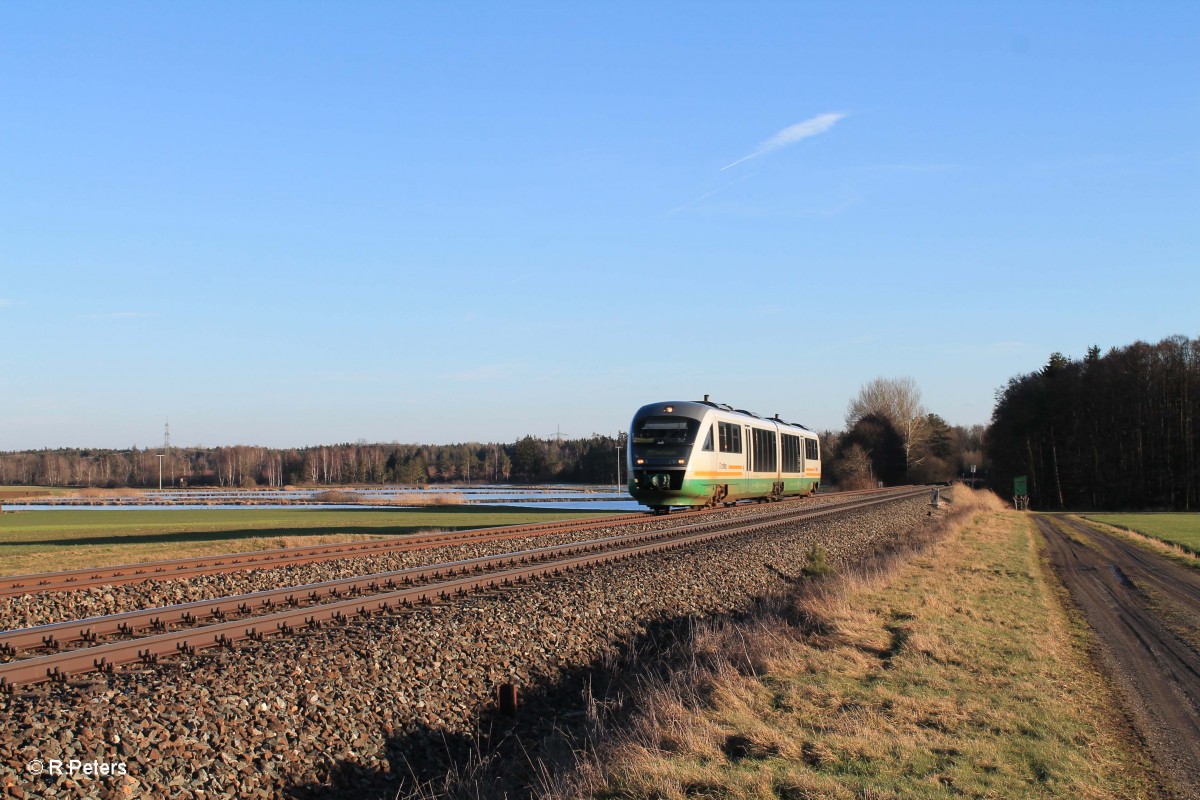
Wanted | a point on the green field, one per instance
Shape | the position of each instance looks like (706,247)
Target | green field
(1180,529)
(41,541)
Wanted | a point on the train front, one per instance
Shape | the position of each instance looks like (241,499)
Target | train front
(661,439)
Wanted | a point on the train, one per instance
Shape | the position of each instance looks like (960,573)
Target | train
(702,454)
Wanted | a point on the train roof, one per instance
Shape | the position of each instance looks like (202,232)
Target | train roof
(699,405)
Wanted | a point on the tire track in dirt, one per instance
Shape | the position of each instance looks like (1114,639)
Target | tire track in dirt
(1158,673)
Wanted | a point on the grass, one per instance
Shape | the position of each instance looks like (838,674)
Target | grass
(21,492)
(349,497)
(955,672)
(42,541)
(1180,529)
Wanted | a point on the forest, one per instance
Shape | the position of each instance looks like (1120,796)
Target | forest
(1111,431)
(890,438)
(872,450)
(590,460)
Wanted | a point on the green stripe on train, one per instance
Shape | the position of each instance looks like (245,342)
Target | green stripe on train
(696,492)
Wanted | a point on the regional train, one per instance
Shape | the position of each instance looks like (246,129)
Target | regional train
(700,453)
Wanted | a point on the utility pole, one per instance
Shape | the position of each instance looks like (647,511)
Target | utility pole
(618,461)
(160,457)
(167,449)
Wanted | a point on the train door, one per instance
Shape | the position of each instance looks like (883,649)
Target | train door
(748,443)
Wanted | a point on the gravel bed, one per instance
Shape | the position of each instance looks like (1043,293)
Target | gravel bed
(356,710)
(43,608)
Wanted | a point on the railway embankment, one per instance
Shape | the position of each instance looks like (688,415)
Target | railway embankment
(407,700)
(950,668)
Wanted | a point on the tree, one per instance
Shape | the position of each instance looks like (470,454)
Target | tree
(897,400)
(934,462)
(1111,431)
(854,469)
(882,445)
(528,459)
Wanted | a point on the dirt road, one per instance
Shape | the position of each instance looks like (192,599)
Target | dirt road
(1146,612)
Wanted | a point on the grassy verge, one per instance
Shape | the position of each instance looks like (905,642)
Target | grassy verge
(954,672)
(30,492)
(1178,529)
(41,541)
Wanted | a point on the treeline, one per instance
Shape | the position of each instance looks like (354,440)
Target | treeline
(873,451)
(591,460)
(891,438)
(1109,431)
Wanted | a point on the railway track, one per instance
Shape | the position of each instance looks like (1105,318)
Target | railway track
(307,607)
(121,574)
(262,559)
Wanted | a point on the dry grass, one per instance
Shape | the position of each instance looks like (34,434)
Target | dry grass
(98,494)
(340,496)
(281,542)
(423,499)
(948,671)
(347,497)
(16,493)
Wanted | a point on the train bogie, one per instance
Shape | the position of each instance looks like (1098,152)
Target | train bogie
(702,454)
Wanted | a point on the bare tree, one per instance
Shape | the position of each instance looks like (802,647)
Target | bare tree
(899,401)
(856,469)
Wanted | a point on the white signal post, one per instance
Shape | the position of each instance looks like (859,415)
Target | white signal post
(618,461)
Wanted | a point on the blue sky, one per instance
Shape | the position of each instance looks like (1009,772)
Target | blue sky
(299,223)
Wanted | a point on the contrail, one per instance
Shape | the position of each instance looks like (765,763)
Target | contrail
(791,135)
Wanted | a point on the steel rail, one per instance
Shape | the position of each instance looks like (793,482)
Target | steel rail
(90,630)
(63,665)
(121,574)
(261,559)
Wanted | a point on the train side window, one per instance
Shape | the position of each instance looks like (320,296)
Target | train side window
(765,452)
(708,443)
(810,449)
(730,436)
(792,462)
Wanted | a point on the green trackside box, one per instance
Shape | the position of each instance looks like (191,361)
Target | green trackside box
(1020,487)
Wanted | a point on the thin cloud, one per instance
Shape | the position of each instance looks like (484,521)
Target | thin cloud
(706,195)
(4,303)
(792,134)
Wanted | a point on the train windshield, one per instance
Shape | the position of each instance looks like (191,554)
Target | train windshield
(664,437)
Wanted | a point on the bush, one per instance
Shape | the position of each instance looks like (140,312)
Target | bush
(818,565)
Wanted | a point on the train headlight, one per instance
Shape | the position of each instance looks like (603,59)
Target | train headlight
(641,461)
(683,461)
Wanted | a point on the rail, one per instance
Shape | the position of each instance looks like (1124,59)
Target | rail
(515,568)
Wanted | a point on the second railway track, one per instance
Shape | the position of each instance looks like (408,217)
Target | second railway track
(310,606)
(182,568)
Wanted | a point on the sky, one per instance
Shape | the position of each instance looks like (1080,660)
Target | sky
(298,223)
